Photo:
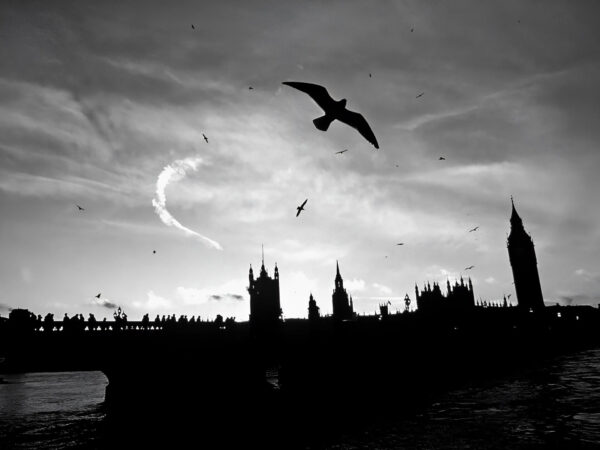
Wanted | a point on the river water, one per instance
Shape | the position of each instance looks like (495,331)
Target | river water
(553,405)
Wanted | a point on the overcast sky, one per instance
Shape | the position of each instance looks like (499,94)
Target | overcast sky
(98,99)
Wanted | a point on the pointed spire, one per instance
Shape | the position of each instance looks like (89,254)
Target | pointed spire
(263,254)
(515,219)
(337,268)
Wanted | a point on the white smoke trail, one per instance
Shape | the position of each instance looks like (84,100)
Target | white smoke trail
(175,172)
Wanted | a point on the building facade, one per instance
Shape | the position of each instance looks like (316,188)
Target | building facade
(265,305)
(343,308)
(459,297)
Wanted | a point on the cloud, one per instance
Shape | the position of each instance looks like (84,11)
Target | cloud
(382,288)
(175,172)
(221,294)
(153,302)
(105,303)
(579,299)
(225,297)
(355,284)
(588,276)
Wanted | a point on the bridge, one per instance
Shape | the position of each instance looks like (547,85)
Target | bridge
(302,361)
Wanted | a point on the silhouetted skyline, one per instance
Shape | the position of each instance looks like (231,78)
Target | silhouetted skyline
(106,106)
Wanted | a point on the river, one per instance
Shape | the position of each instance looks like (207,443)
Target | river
(553,405)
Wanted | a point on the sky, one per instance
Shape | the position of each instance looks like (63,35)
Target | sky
(104,105)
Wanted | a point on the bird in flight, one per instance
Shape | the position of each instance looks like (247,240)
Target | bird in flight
(420,95)
(301,208)
(153,252)
(334,110)
(400,243)
(193,27)
(469,268)
(98,296)
(80,208)
(250,88)
(441,158)
(473,229)
(370,76)
(412,29)
(341,152)
(205,138)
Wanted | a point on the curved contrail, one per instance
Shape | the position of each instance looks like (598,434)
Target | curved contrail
(175,172)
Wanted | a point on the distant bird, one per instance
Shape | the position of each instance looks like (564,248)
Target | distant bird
(469,268)
(80,208)
(153,251)
(334,110)
(250,88)
(508,296)
(412,29)
(370,76)
(205,138)
(397,165)
(473,229)
(98,296)
(441,158)
(341,152)
(420,95)
(193,27)
(301,208)
(400,243)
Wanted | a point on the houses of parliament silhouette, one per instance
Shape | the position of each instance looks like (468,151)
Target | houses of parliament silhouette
(265,305)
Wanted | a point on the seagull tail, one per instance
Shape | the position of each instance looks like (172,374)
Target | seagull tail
(323,122)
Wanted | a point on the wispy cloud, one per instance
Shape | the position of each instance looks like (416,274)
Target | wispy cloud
(175,172)
(105,303)
(220,297)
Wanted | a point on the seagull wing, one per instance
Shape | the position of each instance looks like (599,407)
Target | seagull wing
(357,121)
(302,205)
(318,93)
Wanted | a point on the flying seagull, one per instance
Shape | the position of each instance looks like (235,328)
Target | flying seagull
(370,75)
(400,243)
(473,229)
(153,251)
(205,138)
(441,158)
(420,95)
(80,208)
(334,110)
(98,296)
(250,88)
(301,208)
(193,27)
(341,152)
(469,268)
